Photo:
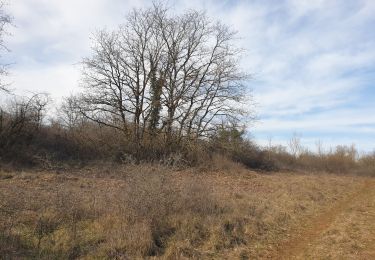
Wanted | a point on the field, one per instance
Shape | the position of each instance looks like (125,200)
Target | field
(154,212)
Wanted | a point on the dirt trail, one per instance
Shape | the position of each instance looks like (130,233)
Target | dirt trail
(311,237)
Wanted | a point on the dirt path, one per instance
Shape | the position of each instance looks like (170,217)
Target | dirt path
(345,231)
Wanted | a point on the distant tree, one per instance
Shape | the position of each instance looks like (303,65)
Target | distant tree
(22,119)
(295,145)
(5,20)
(177,75)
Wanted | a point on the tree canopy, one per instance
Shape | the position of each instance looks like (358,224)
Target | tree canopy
(158,73)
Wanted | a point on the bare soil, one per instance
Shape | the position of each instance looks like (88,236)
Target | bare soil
(346,230)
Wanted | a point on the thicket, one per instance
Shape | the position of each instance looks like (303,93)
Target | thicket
(29,139)
(161,88)
(158,88)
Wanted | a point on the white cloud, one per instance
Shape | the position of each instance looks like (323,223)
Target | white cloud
(59,80)
(304,54)
(51,36)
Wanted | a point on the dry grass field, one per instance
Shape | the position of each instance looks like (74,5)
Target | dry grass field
(163,137)
(152,212)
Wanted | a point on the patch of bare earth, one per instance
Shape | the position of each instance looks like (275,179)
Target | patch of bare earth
(344,231)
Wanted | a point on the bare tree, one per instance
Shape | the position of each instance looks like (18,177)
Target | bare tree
(319,148)
(69,114)
(5,20)
(22,119)
(295,145)
(159,73)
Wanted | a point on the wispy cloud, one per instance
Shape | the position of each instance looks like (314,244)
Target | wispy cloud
(313,61)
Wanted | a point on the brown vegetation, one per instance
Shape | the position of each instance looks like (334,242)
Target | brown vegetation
(152,211)
(340,160)
(162,88)
(150,160)
(26,139)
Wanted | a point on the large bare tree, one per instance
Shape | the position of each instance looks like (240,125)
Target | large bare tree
(175,75)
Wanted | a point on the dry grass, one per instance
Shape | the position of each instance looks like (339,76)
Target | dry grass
(151,211)
(352,233)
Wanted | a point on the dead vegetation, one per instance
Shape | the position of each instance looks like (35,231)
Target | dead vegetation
(161,88)
(150,160)
(150,211)
(346,231)
(341,159)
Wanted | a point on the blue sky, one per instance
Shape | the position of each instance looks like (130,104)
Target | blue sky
(313,62)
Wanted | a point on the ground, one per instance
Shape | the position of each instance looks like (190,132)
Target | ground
(135,212)
(346,230)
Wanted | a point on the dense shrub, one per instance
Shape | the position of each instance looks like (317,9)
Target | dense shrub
(27,139)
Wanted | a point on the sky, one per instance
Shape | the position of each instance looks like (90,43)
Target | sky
(312,62)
